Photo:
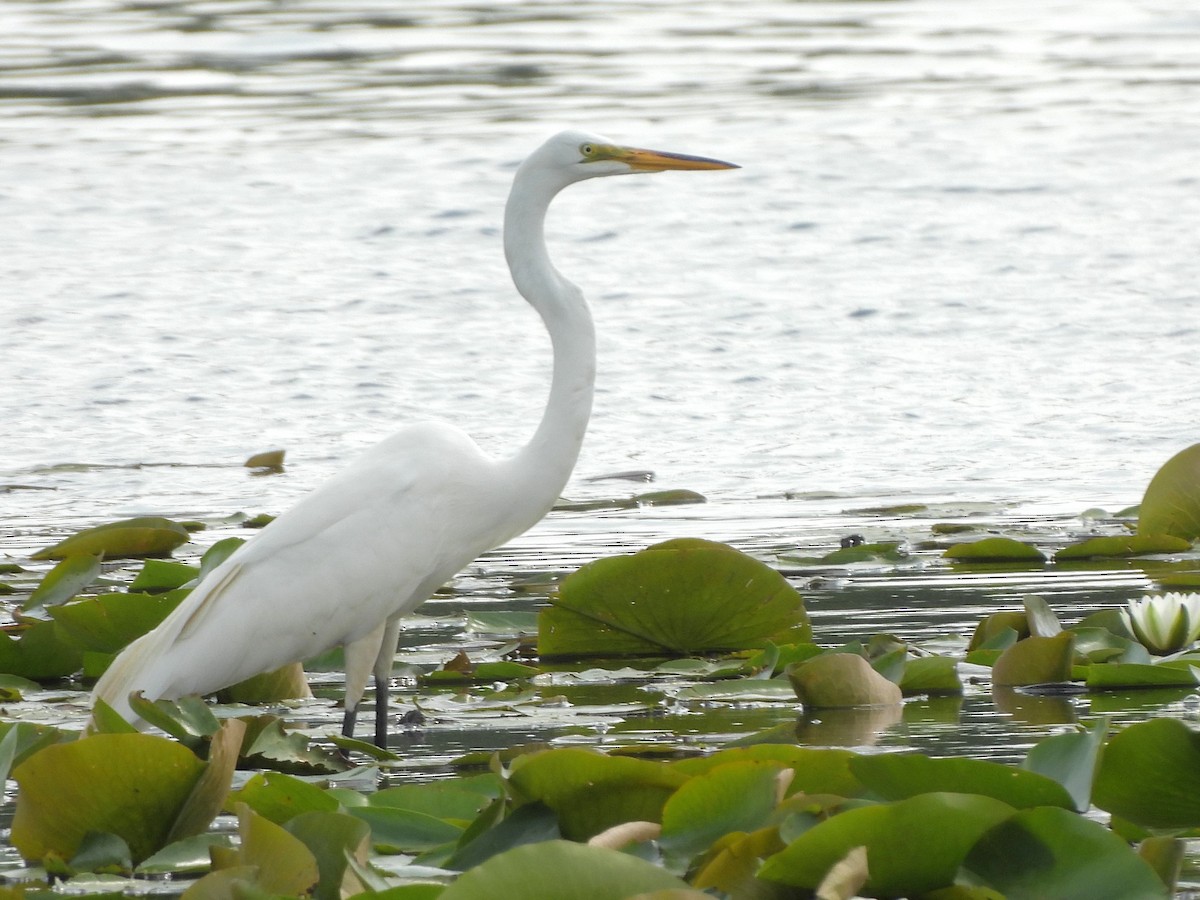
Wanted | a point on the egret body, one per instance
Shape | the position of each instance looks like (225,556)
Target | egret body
(346,563)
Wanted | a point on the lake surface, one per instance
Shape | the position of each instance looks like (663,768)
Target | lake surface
(958,268)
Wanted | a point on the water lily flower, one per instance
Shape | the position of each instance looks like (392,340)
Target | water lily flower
(1164,623)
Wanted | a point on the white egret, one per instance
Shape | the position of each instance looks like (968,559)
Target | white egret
(346,563)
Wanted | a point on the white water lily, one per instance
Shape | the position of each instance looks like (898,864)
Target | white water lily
(1164,623)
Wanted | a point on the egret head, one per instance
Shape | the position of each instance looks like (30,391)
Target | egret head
(572,156)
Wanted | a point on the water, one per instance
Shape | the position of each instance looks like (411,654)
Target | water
(958,267)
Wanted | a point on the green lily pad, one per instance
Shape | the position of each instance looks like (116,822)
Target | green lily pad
(1036,660)
(280,797)
(158,575)
(591,791)
(396,830)
(130,538)
(995,549)
(561,870)
(1122,676)
(817,770)
(1123,545)
(1171,504)
(285,683)
(108,622)
(1150,775)
(1050,852)
(337,841)
(267,459)
(898,776)
(44,651)
(736,796)
(269,860)
(1070,759)
(1006,627)
(836,680)
(130,785)
(675,598)
(914,846)
(64,581)
(933,675)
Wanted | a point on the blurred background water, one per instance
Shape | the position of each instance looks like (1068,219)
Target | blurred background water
(959,263)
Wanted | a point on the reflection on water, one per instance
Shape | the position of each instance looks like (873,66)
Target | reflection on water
(957,268)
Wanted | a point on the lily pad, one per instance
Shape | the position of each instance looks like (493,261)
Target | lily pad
(841,680)
(130,538)
(1035,660)
(1123,545)
(675,598)
(898,776)
(130,785)
(913,846)
(1070,759)
(1122,676)
(932,675)
(737,796)
(108,622)
(158,575)
(280,797)
(64,581)
(1171,504)
(995,549)
(817,770)
(1006,627)
(561,870)
(1050,852)
(267,459)
(1150,775)
(591,791)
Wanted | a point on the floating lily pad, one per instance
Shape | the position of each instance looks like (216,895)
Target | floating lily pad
(898,776)
(1123,676)
(914,846)
(817,770)
(44,650)
(995,549)
(1070,759)
(679,597)
(285,683)
(1171,504)
(1050,852)
(267,459)
(1123,545)
(138,537)
(280,797)
(1003,628)
(159,575)
(1150,775)
(841,680)
(590,791)
(1036,660)
(561,870)
(131,785)
(268,860)
(736,796)
(64,581)
(932,675)
(106,623)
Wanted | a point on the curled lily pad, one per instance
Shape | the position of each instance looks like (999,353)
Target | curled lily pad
(841,680)
(1171,504)
(1003,628)
(1050,852)
(1123,545)
(678,597)
(158,575)
(132,785)
(268,459)
(65,580)
(1150,775)
(1036,660)
(138,537)
(995,549)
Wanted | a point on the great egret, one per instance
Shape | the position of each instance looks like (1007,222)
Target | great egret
(344,564)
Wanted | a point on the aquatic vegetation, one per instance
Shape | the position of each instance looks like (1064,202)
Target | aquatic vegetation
(1171,504)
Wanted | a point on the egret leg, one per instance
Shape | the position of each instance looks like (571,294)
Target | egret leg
(383,678)
(360,658)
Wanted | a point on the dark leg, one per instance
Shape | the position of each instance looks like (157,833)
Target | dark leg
(348,721)
(381,712)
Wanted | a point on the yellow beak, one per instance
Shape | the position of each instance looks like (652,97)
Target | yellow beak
(657,161)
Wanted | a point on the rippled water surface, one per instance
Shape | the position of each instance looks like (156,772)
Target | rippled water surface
(957,268)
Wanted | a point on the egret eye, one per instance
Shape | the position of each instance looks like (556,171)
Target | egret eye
(587,150)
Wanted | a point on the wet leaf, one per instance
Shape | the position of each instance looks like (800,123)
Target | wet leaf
(590,791)
(130,785)
(1035,660)
(995,549)
(280,797)
(1171,504)
(1120,676)
(64,581)
(1150,775)
(561,870)
(1070,759)
(679,597)
(142,536)
(158,575)
(109,622)
(1122,545)
(898,776)
(943,825)
(736,796)
(932,675)
(841,680)
(1062,855)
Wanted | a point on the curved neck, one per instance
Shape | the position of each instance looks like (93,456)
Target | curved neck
(541,469)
